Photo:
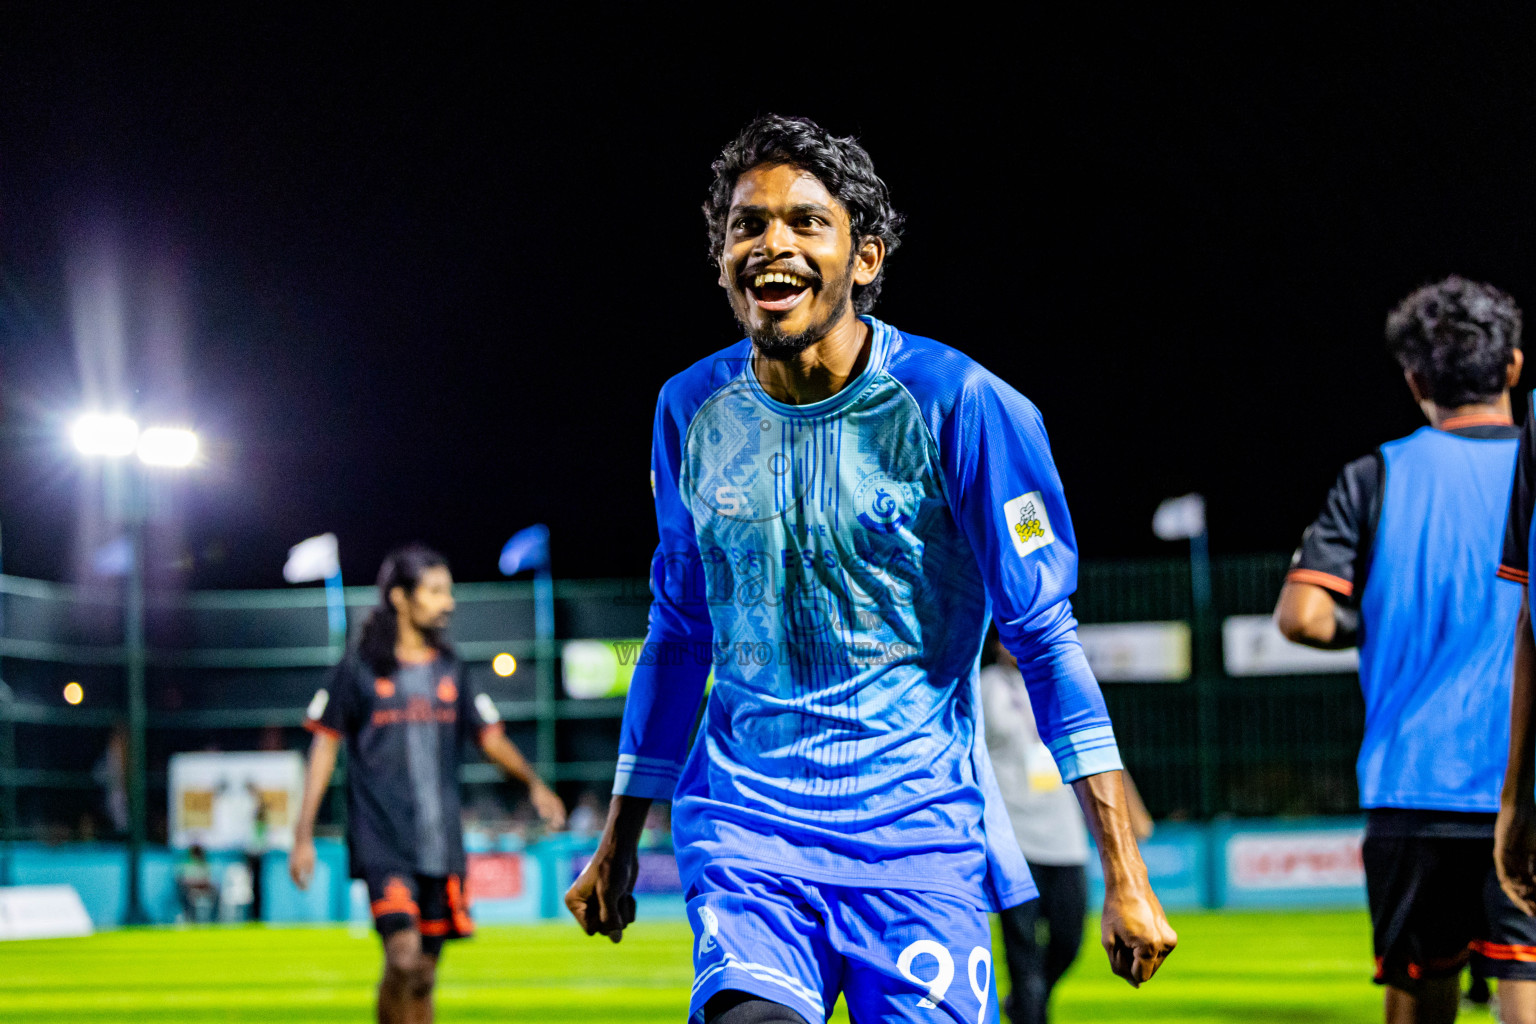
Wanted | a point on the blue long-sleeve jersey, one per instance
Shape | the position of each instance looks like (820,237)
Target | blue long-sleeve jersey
(836,564)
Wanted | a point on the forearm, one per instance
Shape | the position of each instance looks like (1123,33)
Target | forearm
(626,820)
(1068,705)
(317,779)
(659,712)
(504,753)
(1107,810)
(1310,615)
(1141,818)
(1520,774)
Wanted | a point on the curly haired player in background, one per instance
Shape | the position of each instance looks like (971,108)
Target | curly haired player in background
(1401,562)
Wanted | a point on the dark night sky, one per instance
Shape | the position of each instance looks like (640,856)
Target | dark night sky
(432,270)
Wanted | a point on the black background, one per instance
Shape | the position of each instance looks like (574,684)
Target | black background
(432,268)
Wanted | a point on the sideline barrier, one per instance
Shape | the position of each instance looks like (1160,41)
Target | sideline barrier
(1310,863)
(42,912)
(99,873)
(1257,864)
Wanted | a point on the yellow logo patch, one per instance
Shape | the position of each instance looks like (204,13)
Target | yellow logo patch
(1028,523)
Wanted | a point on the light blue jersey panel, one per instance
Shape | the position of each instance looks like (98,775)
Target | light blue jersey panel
(837,562)
(1438,648)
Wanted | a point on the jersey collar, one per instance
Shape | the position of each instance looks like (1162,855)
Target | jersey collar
(1480,419)
(881,334)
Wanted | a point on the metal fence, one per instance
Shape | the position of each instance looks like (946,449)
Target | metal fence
(234,670)
(1215,745)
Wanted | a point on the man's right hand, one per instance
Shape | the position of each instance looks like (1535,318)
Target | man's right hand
(602,897)
(301,862)
(1514,854)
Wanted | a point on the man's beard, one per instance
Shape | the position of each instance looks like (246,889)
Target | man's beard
(771,340)
(434,632)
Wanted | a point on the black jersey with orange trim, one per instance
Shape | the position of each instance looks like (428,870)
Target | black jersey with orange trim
(1335,551)
(373,715)
(1515,561)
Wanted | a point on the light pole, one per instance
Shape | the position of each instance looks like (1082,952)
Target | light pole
(116,437)
(7,760)
(529,549)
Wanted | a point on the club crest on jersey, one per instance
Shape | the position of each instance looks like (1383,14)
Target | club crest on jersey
(881,502)
(709,930)
(1029,526)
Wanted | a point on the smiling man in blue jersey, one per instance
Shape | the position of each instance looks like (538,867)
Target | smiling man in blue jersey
(1401,562)
(842,507)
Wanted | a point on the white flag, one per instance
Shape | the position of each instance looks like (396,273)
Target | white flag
(313,559)
(1180,518)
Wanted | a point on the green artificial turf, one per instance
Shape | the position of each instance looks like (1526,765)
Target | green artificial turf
(1230,968)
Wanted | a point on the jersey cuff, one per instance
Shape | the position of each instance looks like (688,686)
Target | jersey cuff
(1086,752)
(650,777)
(323,730)
(1326,580)
(1509,572)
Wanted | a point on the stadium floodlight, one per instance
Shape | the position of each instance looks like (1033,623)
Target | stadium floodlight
(173,447)
(106,435)
(117,436)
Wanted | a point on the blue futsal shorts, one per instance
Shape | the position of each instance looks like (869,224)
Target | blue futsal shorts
(894,955)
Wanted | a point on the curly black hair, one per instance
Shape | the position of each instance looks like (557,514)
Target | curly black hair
(1456,336)
(841,165)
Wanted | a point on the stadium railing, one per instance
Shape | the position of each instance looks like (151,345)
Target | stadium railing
(234,670)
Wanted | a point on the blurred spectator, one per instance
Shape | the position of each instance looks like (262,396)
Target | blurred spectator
(111,774)
(587,819)
(194,886)
(1041,938)
(256,849)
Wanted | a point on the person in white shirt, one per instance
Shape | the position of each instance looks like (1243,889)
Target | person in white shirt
(1051,832)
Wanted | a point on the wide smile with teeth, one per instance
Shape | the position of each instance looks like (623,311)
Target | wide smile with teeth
(779,291)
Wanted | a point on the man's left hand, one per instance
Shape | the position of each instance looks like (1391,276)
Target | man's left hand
(548,805)
(1135,931)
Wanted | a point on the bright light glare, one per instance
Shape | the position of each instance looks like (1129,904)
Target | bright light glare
(98,434)
(74,693)
(503,664)
(167,446)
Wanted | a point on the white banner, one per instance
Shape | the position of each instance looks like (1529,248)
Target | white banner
(312,559)
(214,798)
(1137,652)
(1252,645)
(1324,859)
(42,912)
(1179,518)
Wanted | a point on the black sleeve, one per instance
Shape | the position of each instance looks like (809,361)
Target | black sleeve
(333,708)
(1514,563)
(1335,549)
(477,712)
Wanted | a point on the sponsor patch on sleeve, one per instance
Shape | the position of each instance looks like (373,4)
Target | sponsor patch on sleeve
(317,704)
(1029,527)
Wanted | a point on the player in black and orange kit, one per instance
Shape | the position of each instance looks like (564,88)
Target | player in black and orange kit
(404,704)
